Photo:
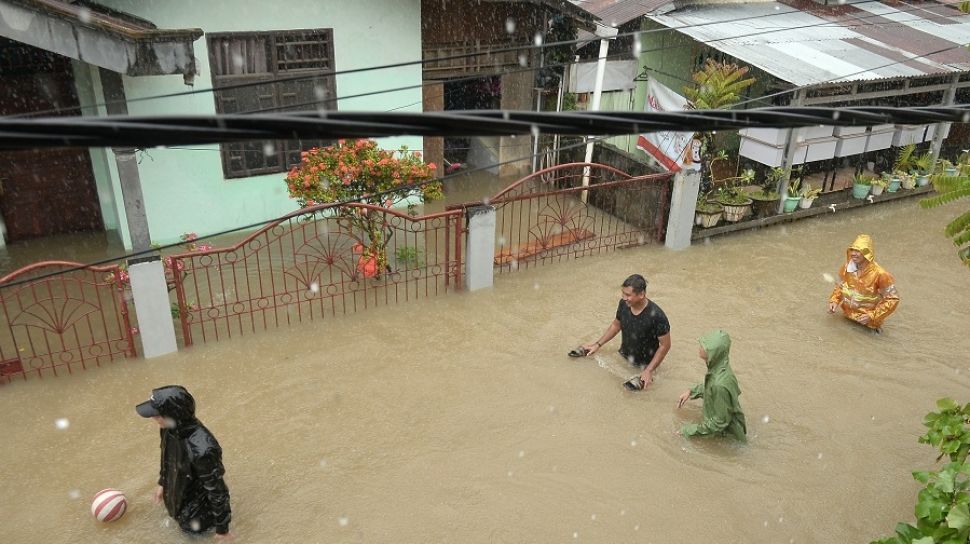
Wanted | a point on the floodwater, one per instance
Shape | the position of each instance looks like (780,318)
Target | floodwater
(460,418)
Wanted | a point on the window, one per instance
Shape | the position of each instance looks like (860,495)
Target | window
(282,65)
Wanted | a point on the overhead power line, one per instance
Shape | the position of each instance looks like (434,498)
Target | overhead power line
(524,47)
(154,131)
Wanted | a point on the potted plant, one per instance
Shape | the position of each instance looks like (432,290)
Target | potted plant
(948,168)
(809,194)
(907,181)
(708,214)
(861,184)
(906,159)
(892,182)
(924,167)
(794,195)
(879,185)
(736,203)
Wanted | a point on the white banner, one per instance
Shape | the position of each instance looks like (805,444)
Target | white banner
(673,150)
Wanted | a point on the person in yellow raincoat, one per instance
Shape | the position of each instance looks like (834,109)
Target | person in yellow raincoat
(867,292)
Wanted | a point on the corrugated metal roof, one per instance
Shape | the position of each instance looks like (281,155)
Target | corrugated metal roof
(620,12)
(804,43)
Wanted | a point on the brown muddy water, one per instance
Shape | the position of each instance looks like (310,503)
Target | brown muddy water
(460,418)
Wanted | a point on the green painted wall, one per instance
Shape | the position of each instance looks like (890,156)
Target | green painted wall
(184,189)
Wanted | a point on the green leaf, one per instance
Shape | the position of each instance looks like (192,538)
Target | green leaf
(959,517)
(907,532)
(947,403)
(921,476)
(924,540)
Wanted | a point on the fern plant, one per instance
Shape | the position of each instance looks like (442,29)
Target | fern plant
(949,189)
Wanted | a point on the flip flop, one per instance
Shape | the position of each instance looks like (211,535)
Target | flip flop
(579,352)
(634,384)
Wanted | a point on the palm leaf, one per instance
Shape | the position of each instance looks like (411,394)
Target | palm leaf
(962,239)
(945,198)
(958,225)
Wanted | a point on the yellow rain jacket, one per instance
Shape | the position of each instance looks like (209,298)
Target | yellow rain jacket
(871,291)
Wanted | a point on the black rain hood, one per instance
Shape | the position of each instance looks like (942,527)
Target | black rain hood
(171,401)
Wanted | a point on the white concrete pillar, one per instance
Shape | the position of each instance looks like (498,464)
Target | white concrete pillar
(606,33)
(152,306)
(683,201)
(480,248)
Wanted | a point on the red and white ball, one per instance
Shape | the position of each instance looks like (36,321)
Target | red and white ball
(109,505)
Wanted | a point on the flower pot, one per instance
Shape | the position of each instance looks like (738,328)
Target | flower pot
(860,190)
(791,202)
(736,212)
(893,184)
(806,203)
(950,171)
(907,182)
(877,190)
(708,219)
(922,180)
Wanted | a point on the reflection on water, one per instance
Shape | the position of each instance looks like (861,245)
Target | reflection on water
(461,419)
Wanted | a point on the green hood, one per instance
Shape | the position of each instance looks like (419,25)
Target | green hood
(717,345)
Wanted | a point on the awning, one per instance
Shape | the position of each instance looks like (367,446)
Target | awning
(805,43)
(584,19)
(96,35)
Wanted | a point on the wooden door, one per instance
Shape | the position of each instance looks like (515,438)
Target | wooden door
(43,191)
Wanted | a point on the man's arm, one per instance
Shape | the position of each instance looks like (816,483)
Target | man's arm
(610,333)
(662,349)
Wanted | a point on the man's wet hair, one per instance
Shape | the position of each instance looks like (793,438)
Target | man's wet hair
(637,282)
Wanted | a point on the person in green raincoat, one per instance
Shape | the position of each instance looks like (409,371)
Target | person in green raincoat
(720,391)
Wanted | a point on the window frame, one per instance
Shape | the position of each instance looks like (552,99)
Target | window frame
(276,76)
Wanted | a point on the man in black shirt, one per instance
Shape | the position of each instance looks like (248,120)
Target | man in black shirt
(646,331)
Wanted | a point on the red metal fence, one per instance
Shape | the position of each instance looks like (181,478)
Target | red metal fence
(550,216)
(63,318)
(313,265)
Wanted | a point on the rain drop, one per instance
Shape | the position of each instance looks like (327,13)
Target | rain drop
(84,14)
(523,60)
(781,519)
(486,201)
(62,423)
(238,62)
(537,39)
(636,527)
(535,285)
(828,277)
(835,115)
(315,287)
(502,241)
(323,463)
(509,474)
(510,25)
(343,521)
(622,512)
(74,494)
(535,131)
(521,454)
(766,523)
(593,517)
(269,149)
(637,45)
(820,455)
(765,419)
(575,535)
(195,525)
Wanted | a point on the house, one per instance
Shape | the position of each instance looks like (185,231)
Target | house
(808,53)
(121,56)
(144,57)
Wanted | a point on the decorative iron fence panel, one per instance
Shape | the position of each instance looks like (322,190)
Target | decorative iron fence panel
(314,265)
(551,216)
(63,317)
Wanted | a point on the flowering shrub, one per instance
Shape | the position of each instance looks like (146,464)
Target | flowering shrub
(359,170)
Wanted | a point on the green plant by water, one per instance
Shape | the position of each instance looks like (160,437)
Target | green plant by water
(943,505)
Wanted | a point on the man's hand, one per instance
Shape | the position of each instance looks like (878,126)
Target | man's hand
(683,400)
(833,306)
(647,377)
(864,319)
(224,538)
(591,348)
(158,494)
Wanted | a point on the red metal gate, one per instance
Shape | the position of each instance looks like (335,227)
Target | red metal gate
(550,216)
(313,265)
(60,316)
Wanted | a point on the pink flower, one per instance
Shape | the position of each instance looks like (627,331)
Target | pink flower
(134,331)
(203,247)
